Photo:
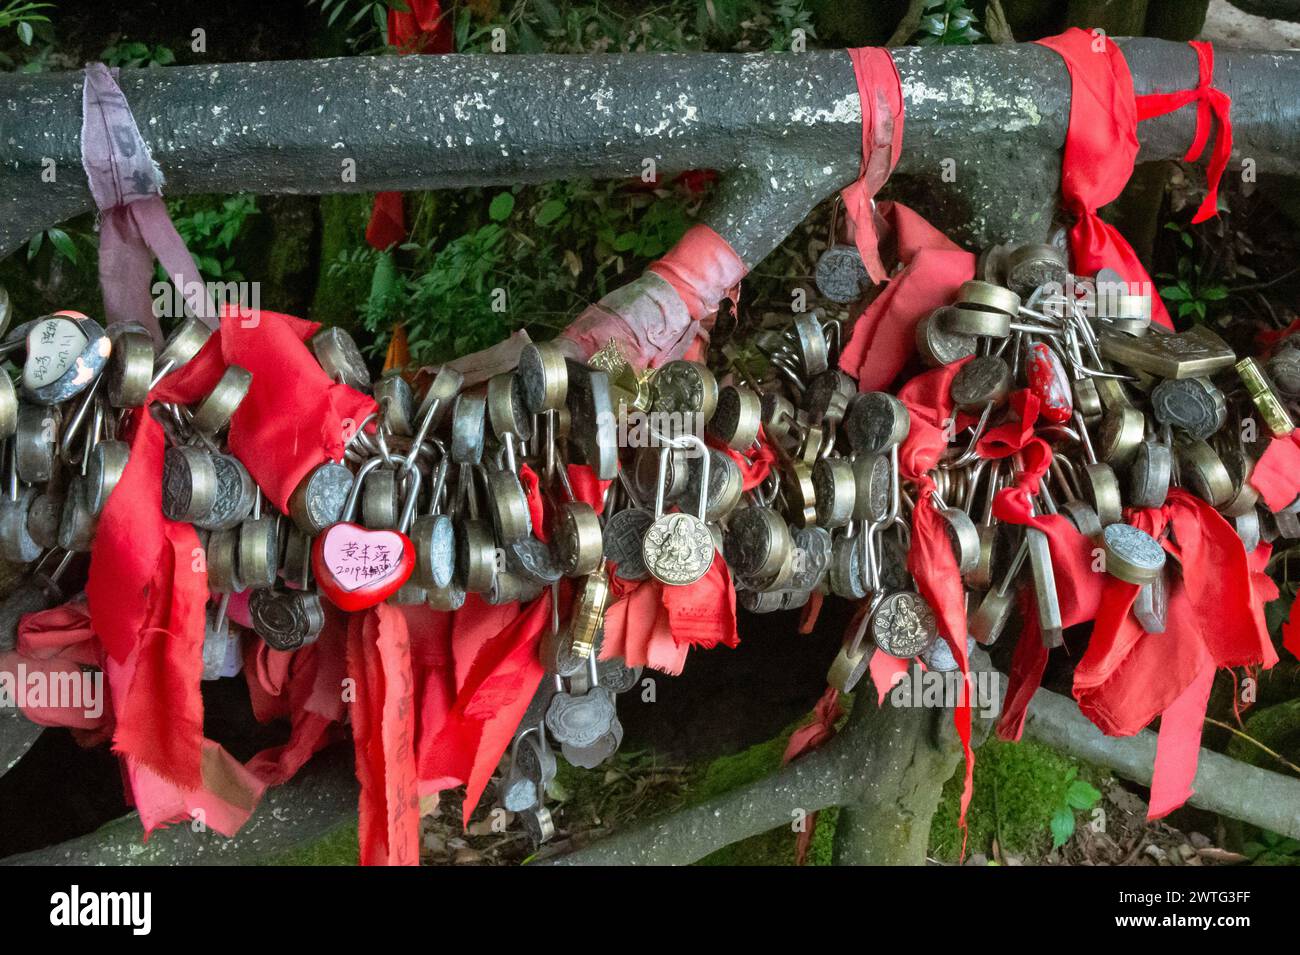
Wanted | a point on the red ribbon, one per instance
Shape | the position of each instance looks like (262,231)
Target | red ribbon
(1101,147)
(1211,104)
(880,93)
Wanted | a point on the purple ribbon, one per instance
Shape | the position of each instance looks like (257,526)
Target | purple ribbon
(134,227)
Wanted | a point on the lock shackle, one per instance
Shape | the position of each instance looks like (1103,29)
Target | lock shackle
(414,477)
(682,442)
(354,495)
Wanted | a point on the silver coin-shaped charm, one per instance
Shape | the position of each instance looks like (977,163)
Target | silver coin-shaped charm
(534,560)
(939,346)
(678,549)
(904,625)
(589,757)
(840,274)
(685,387)
(983,379)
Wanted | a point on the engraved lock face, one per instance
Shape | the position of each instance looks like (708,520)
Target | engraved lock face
(756,543)
(235,491)
(840,274)
(1191,404)
(1031,266)
(189,484)
(339,356)
(434,536)
(397,403)
(939,346)
(903,625)
(623,534)
(1132,555)
(320,497)
(737,418)
(826,397)
(984,380)
(812,558)
(835,490)
(1198,352)
(357,567)
(66,351)
(875,422)
(543,377)
(685,388)
(286,620)
(678,548)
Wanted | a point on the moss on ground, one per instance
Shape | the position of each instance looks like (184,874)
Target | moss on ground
(339,847)
(343,227)
(1018,786)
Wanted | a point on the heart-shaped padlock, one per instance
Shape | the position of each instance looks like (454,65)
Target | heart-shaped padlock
(356,567)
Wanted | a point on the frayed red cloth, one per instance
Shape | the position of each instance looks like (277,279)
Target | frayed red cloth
(883,338)
(147,589)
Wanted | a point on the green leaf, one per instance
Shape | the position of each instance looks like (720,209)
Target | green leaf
(1215,293)
(501,207)
(1082,795)
(626,242)
(1186,309)
(25,33)
(551,210)
(1175,293)
(63,243)
(1062,827)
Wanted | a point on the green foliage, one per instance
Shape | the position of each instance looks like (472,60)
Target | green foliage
(947,23)
(538,26)
(210,228)
(1273,849)
(136,54)
(1078,796)
(1021,790)
(529,257)
(365,22)
(64,244)
(22,17)
(1196,292)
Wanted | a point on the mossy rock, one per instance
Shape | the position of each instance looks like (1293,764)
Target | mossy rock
(1278,728)
(340,847)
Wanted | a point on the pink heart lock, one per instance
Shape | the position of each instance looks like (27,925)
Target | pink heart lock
(357,567)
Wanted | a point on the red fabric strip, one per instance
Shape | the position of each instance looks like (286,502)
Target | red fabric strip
(1211,104)
(1101,147)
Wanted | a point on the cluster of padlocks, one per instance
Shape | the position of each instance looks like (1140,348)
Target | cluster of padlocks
(779,465)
